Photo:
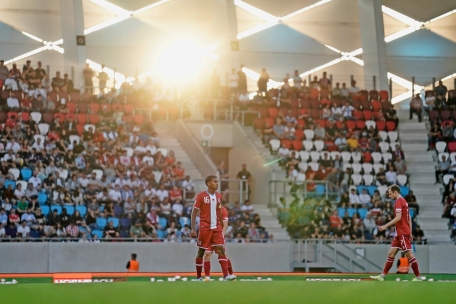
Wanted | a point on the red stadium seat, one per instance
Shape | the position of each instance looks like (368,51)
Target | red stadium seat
(273,112)
(94,118)
(357,104)
(367,115)
(305,103)
(47,118)
(263,112)
(452,146)
(294,103)
(373,94)
(384,95)
(53,95)
(5,94)
(367,157)
(315,104)
(351,125)
(86,97)
(314,93)
(25,116)
(297,145)
(445,114)
(360,124)
(129,118)
(11,115)
(80,129)
(325,102)
(128,108)
(268,122)
(304,112)
(433,115)
(376,105)
(286,143)
(257,123)
(386,105)
(339,124)
(116,107)
(61,115)
(301,124)
(315,114)
(75,97)
(366,104)
(82,119)
(65,96)
(94,108)
(358,114)
(138,119)
(72,106)
(390,125)
(71,115)
(18,94)
(381,125)
(299,134)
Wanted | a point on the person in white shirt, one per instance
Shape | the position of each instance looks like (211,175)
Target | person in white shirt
(353,89)
(115,195)
(149,192)
(34,180)
(13,145)
(152,148)
(289,131)
(178,208)
(148,159)
(347,111)
(23,230)
(354,198)
(162,193)
(297,80)
(83,180)
(9,156)
(283,152)
(391,176)
(233,82)
(247,207)
(38,145)
(365,198)
(12,102)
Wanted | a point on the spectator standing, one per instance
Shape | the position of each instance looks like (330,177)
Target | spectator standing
(245,176)
(416,107)
(233,80)
(88,75)
(103,77)
(441,90)
(263,81)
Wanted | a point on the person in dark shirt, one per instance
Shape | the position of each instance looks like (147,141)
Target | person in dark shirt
(11,230)
(245,176)
(53,218)
(110,231)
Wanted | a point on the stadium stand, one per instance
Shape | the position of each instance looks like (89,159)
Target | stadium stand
(75,165)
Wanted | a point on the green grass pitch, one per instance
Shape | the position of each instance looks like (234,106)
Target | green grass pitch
(279,290)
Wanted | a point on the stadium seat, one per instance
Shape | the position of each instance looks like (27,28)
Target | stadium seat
(82,209)
(402,179)
(356,178)
(163,222)
(404,190)
(297,145)
(392,135)
(314,166)
(15,173)
(301,178)
(351,212)
(36,117)
(118,210)
(367,168)
(309,134)
(362,213)
(387,157)
(356,157)
(42,198)
(26,173)
(383,135)
(23,184)
(320,189)
(381,125)
(69,209)
(98,233)
(9,182)
(45,210)
(341,212)
(346,166)
(334,153)
(371,189)
(319,145)
(101,208)
(377,157)
(44,128)
(390,126)
(274,144)
(452,146)
(302,166)
(368,179)
(356,168)
(115,221)
(101,222)
(447,156)
(56,207)
(377,167)
(346,156)
(286,143)
(304,155)
(308,145)
(370,123)
(440,146)
(384,146)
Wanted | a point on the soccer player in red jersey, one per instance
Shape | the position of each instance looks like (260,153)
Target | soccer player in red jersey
(403,239)
(208,252)
(210,234)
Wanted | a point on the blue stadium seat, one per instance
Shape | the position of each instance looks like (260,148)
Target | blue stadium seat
(35,233)
(160,234)
(82,210)
(404,190)
(26,173)
(101,222)
(362,213)
(115,221)
(118,210)
(412,213)
(341,212)
(320,190)
(360,188)
(371,190)
(56,207)
(124,233)
(101,208)
(10,182)
(184,221)
(83,230)
(162,222)
(125,223)
(351,211)
(42,198)
(45,210)
(98,233)
(69,209)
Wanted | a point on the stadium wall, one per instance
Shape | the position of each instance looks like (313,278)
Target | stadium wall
(153,257)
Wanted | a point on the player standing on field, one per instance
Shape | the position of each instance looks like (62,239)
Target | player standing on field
(403,239)
(208,252)
(210,234)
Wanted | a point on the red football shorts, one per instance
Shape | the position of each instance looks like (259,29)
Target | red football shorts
(207,238)
(402,242)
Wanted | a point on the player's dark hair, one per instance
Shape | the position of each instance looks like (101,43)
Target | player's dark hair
(210,178)
(395,188)
(133,256)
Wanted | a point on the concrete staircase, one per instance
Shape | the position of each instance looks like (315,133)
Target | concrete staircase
(421,167)
(270,222)
(169,141)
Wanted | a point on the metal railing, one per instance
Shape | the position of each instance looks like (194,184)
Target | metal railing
(302,190)
(231,189)
(329,254)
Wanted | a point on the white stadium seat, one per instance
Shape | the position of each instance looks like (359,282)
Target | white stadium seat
(440,146)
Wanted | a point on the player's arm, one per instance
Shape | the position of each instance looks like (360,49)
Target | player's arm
(225,226)
(195,209)
(392,222)
(410,224)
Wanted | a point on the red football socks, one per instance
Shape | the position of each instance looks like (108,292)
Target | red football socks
(224,264)
(199,267)
(388,265)
(414,264)
(207,268)
(230,268)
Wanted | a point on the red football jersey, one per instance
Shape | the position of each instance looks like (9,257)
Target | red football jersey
(224,214)
(403,226)
(209,207)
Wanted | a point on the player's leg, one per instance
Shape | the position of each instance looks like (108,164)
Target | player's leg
(203,243)
(207,264)
(412,260)
(389,263)
(199,262)
(230,267)
(222,259)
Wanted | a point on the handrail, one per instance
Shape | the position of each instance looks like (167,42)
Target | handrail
(354,252)
(344,256)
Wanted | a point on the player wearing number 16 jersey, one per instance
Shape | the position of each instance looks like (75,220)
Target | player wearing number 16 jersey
(209,204)
(403,239)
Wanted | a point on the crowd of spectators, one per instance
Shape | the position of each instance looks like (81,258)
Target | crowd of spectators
(441,106)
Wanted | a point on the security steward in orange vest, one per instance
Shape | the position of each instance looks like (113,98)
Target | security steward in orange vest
(133,265)
(403,265)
